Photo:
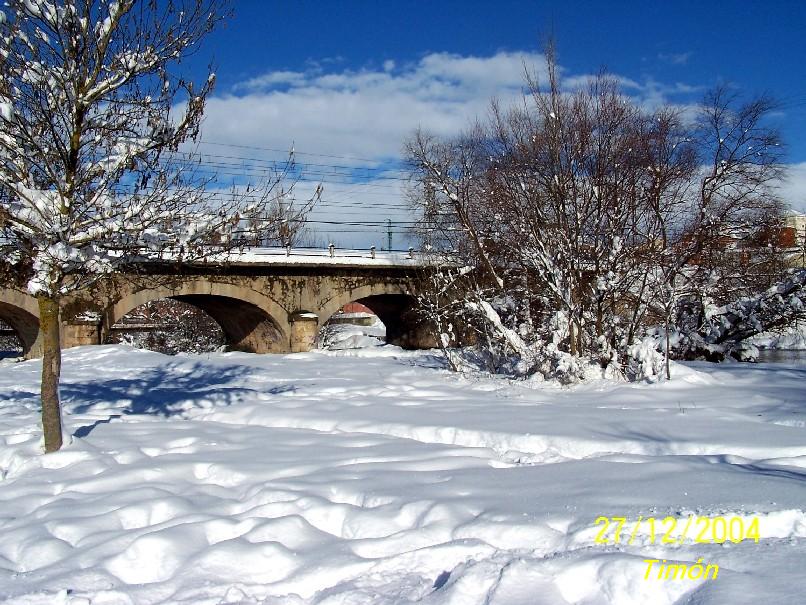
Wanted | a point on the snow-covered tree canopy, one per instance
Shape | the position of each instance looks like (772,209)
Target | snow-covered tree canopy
(92,113)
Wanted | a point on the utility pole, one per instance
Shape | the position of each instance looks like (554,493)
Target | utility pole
(389,234)
(285,232)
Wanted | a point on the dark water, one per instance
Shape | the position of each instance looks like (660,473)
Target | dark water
(791,357)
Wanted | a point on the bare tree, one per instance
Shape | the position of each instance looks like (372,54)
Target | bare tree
(92,115)
(721,251)
(592,221)
(282,222)
(457,220)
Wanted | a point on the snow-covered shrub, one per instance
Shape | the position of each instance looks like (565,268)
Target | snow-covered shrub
(716,332)
(10,345)
(554,364)
(645,359)
(170,327)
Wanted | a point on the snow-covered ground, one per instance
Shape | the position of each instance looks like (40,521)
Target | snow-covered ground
(341,336)
(374,476)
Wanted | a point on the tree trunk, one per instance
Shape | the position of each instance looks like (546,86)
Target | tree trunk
(668,322)
(51,370)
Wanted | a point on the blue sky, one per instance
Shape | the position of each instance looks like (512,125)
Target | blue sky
(350,79)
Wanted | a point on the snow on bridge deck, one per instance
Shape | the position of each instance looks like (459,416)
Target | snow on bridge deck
(326,257)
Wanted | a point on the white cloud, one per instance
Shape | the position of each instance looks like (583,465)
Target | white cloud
(369,113)
(273,78)
(675,58)
(793,189)
(366,113)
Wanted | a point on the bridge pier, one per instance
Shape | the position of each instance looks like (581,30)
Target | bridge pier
(304,329)
(77,333)
(418,335)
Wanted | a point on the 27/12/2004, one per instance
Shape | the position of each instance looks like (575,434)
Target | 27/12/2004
(674,530)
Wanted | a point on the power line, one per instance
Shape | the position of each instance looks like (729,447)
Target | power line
(298,168)
(281,163)
(360,223)
(320,205)
(323,202)
(381,175)
(214,169)
(288,151)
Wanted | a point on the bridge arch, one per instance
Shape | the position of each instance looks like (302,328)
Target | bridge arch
(21,311)
(250,321)
(397,309)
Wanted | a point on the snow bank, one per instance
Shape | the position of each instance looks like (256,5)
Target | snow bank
(792,339)
(340,336)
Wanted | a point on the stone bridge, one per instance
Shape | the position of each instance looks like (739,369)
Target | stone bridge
(265,302)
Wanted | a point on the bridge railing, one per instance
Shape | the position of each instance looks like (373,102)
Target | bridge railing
(332,252)
(168,251)
(334,255)
(302,255)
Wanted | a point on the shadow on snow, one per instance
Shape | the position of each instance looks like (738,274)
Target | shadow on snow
(166,391)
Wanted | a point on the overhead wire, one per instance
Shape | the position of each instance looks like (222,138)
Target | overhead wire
(287,151)
(380,175)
